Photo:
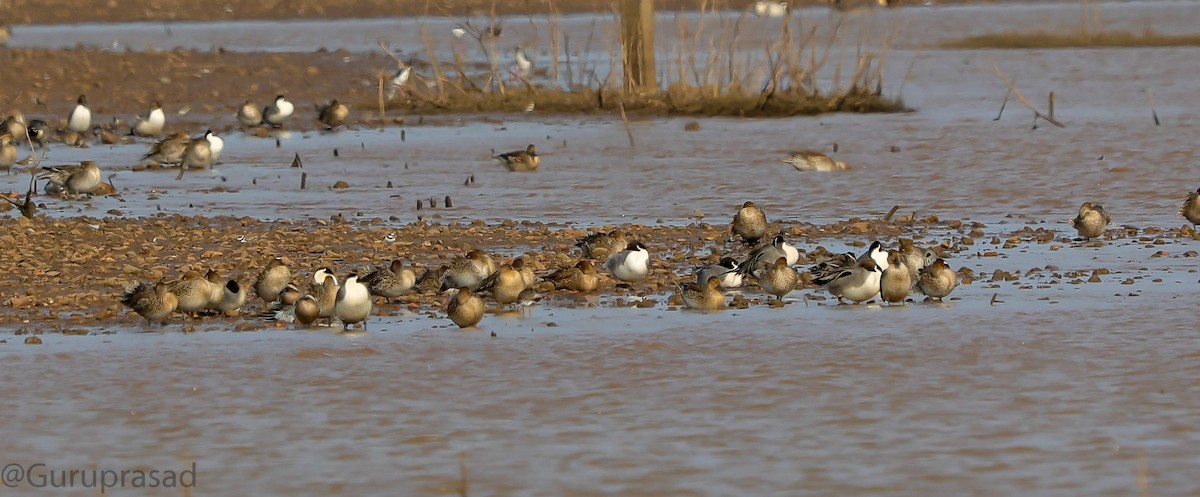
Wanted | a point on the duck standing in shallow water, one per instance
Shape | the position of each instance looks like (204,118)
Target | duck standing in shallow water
(521,160)
(896,281)
(1091,221)
(937,280)
(778,279)
(353,303)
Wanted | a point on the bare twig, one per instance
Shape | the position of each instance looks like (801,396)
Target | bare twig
(1153,112)
(1036,113)
(628,130)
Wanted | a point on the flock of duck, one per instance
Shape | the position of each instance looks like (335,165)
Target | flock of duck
(179,148)
(891,276)
(474,276)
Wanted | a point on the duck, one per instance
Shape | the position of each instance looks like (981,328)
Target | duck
(521,160)
(505,285)
(353,303)
(762,257)
(1191,209)
(913,257)
(216,144)
(770,9)
(778,279)
(306,310)
(581,277)
(332,114)
(14,125)
(70,137)
(811,160)
(83,179)
(726,272)
(233,297)
(192,291)
(38,132)
(750,223)
(278,112)
(524,65)
(704,296)
(937,280)
(80,118)
(390,282)
(468,270)
(155,303)
(895,282)
(8,152)
(152,123)
(399,79)
(1091,221)
(197,155)
(857,283)
(430,280)
(249,116)
(216,289)
(272,280)
(526,270)
(631,264)
(325,293)
(169,150)
(289,295)
(602,245)
(465,309)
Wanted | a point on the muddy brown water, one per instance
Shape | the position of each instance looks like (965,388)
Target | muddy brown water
(1052,388)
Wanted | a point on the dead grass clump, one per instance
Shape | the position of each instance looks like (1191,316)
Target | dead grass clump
(710,69)
(1074,39)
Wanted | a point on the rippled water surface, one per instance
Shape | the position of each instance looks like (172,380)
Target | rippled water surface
(1015,388)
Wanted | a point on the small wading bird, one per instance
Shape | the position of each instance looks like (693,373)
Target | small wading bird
(520,160)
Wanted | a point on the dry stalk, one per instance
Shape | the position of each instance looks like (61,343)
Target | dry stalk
(1036,113)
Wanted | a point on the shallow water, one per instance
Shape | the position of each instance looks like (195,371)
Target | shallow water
(1041,386)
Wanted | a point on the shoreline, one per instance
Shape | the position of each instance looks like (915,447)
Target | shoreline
(19,12)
